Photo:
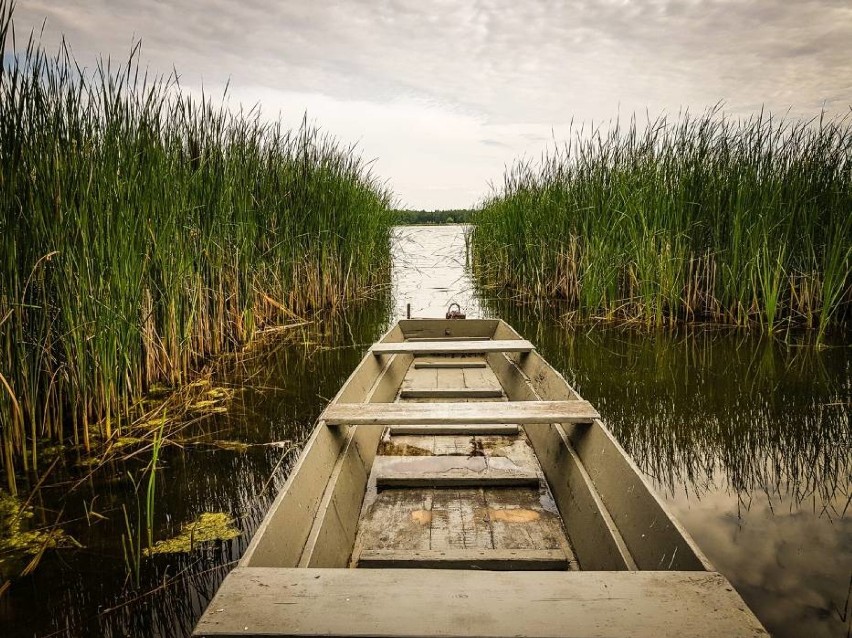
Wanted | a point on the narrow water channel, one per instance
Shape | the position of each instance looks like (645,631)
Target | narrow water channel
(746,439)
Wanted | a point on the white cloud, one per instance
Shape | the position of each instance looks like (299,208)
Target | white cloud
(446,93)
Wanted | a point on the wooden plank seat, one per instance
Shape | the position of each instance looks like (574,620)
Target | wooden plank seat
(450,363)
(428,339)
(453,347)
(470,429)
(258,601)
(494,412)
(451,393)
(473,558)
(452,471)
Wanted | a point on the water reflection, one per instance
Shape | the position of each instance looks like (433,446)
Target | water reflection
(429,271)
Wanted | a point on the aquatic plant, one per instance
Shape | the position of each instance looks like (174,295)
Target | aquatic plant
(142,230)
(19,540)
(208,527)
(738,221)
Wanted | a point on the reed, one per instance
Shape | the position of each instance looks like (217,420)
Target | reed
(738,221)
(142,230)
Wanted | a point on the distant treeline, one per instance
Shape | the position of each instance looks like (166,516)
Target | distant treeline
(433,216)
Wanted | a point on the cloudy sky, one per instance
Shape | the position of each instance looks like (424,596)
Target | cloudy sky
(444,94)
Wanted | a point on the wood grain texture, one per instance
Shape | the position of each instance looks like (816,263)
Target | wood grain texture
(452,393)
(472,429)
(513,412)
(450,363)
(441,328)
(464,518)
(469,603)
(451,471)
(452,347)
(492,559)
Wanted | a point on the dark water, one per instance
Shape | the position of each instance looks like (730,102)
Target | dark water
(747,440)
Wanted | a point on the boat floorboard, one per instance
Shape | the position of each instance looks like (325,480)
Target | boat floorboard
(506,443)
(439,519)
(459,501)
(451,471)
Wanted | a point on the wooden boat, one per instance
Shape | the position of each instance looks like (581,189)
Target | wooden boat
(458,486)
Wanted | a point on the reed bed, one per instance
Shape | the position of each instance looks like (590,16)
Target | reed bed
(686,218)
(143,230)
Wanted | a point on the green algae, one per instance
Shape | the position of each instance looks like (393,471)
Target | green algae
(17,540)
(209,527)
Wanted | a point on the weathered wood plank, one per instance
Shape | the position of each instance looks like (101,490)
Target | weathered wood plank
(450,363)
(397,519)
(518,521)
(405,445)
(420,379)
(452,445)
(452,347)
(450,378)
(493,559)
(517,449)
(447,328)
(513,412)
(430,339)
(468,603)
(473,429)
(459,520)
(428,445)
(450,471)
(481,378)
(451,393)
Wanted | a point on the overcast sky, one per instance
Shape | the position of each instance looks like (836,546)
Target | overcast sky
(444,94)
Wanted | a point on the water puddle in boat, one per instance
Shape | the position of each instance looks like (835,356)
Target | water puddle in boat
(746,439)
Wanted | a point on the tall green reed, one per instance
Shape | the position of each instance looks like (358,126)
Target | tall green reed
(747,222)
(142,230)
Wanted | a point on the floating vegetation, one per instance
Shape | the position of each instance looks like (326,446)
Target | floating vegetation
(17,539)
(232,446)
(744,222)
(161,229)
(209,527)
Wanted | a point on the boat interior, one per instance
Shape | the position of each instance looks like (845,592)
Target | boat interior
(456,461)
(457,464)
